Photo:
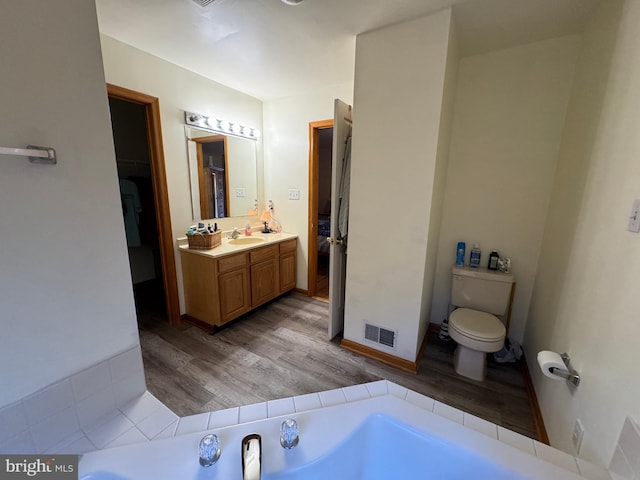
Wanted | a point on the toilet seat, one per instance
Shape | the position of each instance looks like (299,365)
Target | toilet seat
(477,330)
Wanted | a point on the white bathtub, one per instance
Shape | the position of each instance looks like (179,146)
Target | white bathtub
(379,438)
(383,448)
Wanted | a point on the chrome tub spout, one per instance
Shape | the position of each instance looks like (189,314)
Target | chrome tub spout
(251,457)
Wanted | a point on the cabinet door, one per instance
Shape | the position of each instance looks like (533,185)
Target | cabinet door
(264,281)
(287,271)
(201,295)
(235,297)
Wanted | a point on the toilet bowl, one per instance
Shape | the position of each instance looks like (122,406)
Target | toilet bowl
(476,333)
(479,294)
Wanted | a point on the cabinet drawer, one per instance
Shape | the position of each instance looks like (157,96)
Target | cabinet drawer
(260,254)
(226,264)
(288,246)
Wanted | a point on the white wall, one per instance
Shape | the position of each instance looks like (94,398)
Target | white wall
(65,287)
(178,90)
(286,160)
(399,83)
(586,297)
(508,122)
(439,180)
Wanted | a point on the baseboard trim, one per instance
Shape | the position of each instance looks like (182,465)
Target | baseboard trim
(185,318)
(304,292)
(386,358)
(533,401)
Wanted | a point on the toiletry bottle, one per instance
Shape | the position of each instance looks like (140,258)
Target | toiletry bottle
(493,260)
(460,254)
(474,259)
(247,230)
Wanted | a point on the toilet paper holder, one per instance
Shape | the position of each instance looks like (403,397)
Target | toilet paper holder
(569,374)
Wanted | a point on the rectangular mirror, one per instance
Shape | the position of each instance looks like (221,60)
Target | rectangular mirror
(222,173)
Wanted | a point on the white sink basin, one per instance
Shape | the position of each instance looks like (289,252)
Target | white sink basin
(246,240)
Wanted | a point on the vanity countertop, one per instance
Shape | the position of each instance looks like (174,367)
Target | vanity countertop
(227,248)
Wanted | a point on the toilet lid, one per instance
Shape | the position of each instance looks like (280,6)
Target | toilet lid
(478,325)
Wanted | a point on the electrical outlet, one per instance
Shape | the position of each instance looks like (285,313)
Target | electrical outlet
(578,433)
(294,194)
(634,218)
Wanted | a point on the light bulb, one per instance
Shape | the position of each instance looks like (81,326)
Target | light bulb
(256,133)
(235,128)
(224,125)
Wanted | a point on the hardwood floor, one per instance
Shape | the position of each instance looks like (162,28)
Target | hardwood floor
(281,350)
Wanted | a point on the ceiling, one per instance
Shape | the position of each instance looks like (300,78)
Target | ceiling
(269,50)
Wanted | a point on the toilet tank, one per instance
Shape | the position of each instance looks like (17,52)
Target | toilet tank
(481,289)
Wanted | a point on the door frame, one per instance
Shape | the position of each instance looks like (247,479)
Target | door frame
(160,194)
(314,168)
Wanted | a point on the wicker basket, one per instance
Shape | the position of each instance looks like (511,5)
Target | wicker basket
(204,241)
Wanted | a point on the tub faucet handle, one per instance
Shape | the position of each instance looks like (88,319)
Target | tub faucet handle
(209,450)
(289,434)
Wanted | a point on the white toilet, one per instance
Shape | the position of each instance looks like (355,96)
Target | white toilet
(480,294)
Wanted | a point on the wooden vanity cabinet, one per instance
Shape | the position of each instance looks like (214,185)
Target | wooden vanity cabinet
(218,290)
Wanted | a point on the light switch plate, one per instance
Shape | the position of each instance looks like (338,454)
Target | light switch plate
(239,192)
(634,218)
(294,194)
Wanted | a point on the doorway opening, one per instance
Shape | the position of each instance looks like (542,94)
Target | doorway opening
(135,119)
(320,174)
(213,175)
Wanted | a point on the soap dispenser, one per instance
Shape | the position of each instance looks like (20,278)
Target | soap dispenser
(247,230)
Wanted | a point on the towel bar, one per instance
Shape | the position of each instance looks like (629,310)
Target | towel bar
(43,155)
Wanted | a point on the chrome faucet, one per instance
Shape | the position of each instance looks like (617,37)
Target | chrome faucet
(251,457)
(235,233)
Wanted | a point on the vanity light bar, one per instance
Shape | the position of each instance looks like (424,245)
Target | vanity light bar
(220,125)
